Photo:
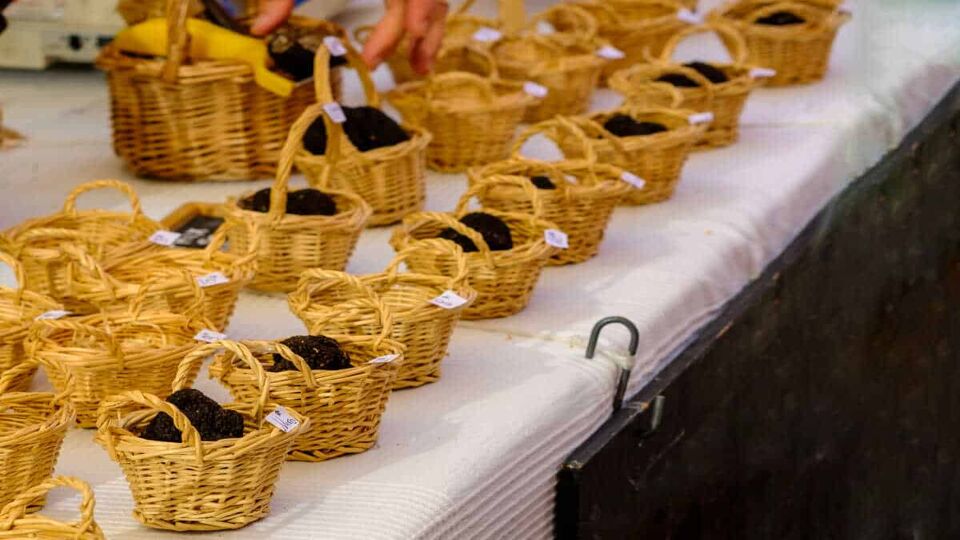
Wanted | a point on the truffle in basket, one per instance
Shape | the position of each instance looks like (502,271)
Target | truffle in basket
(212,421)
(367,128)
(542,182)
(709,71)
(781,18)
(622,125)
(319,352)
(302,202)
(495,232)
(293,51)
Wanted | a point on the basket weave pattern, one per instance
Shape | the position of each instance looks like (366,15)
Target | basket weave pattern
(16,521)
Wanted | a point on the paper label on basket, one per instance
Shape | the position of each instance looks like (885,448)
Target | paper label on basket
(449,300)
(52,315)
(633,179)
(689,17)
(762,73)
(164,238)
(535,90)
(487,35)
(335,46)
(557,239)
(209,336)
(211,279)
(385,359)
(282,420)
(700,118)
(334,112)
(545,28)
(610,52)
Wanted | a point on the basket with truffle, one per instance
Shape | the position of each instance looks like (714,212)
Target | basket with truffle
(578,195)
(792,38)
(362,150)
(472,118)
(340,382)
(651,143)
(112,352)
(505,251)
(425,308)
(18,521)
(32,428)
(719,88)
(298,230)
(192,464)
(194,100)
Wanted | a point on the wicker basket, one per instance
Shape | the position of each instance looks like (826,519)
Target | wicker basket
(180,119)
(581,205)
(390,179)
(725,100)
(658,159)
(322,302)
(504,280)
(473,119)
(18,309)
(197,485)
(17,522)
(32,429)
(566,23)
(799,53)
(291,244)
(110,353)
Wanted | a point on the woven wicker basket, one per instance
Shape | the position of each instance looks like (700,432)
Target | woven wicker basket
(581,205)
(16,521)
(389,179)
(473,119)
(504,280)
(799,53)
(180,119)
(658,159)
(323,302)
(110,353)
(32,429)
(18,309)
(291,244)
(725,100)
(8,137)
(344,406)
(197,485)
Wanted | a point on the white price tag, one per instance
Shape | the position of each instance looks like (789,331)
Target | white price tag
(633,179)
(610,53)
(487,35)
(449,300)
(535,90)
(689,17)
(385,359)
(52,315)
(209,336)
(211,279)
(335,112)
(282,420)
(335,46)
(700,118)
(762,73)
(164,238)
(545,28)
(557,239)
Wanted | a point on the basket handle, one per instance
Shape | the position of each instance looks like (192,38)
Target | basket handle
(293,144)
(70,204)
(318,280)
(435,244)
(82,328)
(111,408)
(489,62)
(454,78)
(322,79)
(195,358)
(588,20)
(578,127)
(464,7)
(737,49)
(512,15)
(480,188)
(194,310)
(219,238)
(17,508)
(620,81)
(447,220)
(295,359)
(18,275)
(93,269)
(178,39)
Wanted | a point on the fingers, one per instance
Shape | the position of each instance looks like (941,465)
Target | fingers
(425,50)
(385,35)
(419,16)
(272,13)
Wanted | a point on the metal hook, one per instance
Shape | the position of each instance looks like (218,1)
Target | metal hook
(634,345)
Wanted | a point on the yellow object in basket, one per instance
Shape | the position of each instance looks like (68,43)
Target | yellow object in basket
(207,41)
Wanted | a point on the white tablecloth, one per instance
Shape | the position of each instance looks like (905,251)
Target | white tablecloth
(475,455)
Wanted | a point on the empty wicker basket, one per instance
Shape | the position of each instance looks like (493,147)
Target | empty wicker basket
(16,520)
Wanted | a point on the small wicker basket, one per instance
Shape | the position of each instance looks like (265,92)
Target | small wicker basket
(16,521)
(504,280)
(323,302)
(291,244)
(180,119)
(473,119)
(197,485)
(799,53)
(389,179)
(32,429)
(565,24)
(725,100)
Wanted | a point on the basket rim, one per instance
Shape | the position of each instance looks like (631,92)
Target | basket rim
(61,414)
(419,141)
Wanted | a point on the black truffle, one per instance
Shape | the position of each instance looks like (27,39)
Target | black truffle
(293,52)
(542,182)
(319,352)
(679,80)
(781,18)
(212,421)
(622,125)
(366,127)
(711,73)
(495,232)
(302,202)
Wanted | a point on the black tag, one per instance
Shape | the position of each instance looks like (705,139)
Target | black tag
(197,232)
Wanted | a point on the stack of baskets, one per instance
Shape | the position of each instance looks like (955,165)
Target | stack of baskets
(17,521)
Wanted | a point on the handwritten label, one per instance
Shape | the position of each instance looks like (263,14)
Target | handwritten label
(211,279)
(557,239)
(610,52)
(209,336)
(762,73)
(633,179)
(164,238)
(689,17)
(334,112)
(487,35)
(335,46)
(385,359)
(449,300)
(700,118)
(52,315)
(535,90)
(282,420)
